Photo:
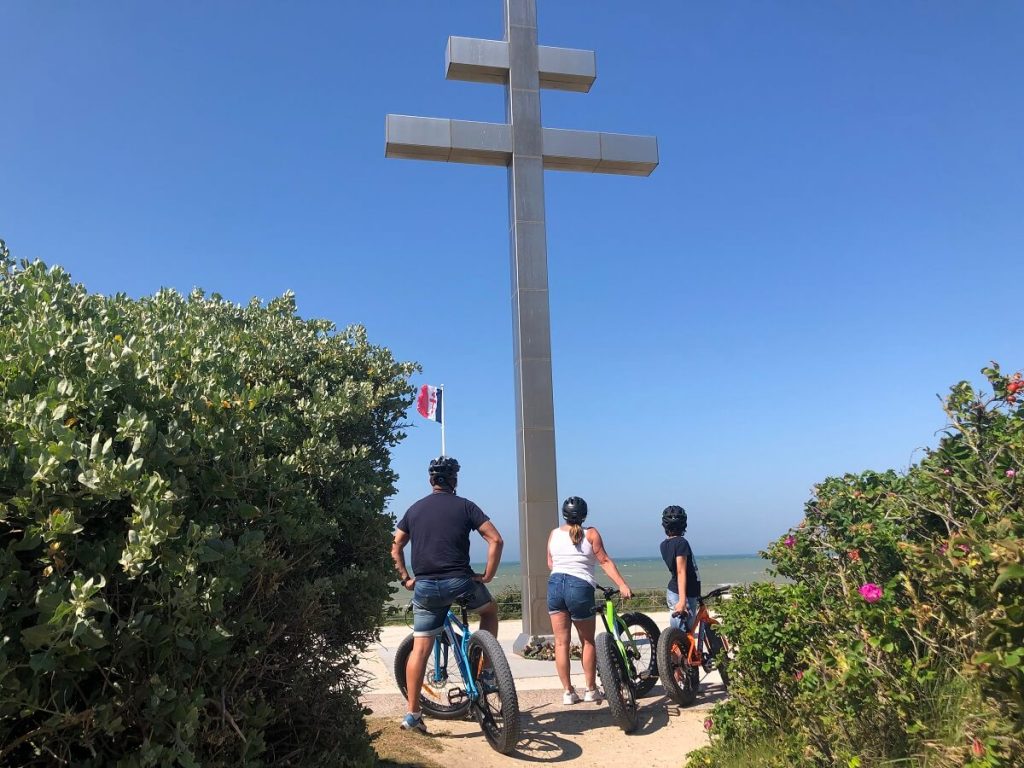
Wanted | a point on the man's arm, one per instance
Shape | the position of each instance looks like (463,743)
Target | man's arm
(398,555)
(494,546)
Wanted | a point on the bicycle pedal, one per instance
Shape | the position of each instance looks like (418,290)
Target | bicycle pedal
(456,697)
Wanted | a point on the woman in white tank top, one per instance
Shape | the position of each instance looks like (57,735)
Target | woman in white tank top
(572,552)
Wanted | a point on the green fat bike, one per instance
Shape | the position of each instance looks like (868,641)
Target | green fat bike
(626,659)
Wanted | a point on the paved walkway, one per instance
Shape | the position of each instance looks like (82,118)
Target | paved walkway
(530,675)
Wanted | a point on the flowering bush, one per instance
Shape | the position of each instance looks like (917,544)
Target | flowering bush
(899,637)
(193,548)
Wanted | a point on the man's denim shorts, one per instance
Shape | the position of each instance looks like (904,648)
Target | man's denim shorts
(572,594)
(431,599)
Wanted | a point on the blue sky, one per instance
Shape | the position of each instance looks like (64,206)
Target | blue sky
(833,236)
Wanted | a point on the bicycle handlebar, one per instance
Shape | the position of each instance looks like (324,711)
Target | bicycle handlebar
(608,593)
(717,592)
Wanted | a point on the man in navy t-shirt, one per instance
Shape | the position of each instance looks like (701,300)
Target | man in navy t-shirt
(684,583)
(438,526)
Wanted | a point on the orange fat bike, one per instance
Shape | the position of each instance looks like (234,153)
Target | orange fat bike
(682,655)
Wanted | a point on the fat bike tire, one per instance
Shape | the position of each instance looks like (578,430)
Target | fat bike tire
(645,635)
(618,689)
(676,675)
(434,698)
(497,709)
(718,648)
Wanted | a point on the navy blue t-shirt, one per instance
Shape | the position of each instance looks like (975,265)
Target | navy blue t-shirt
(677,546)
(438,526)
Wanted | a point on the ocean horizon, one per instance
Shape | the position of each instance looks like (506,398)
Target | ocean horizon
(643,573)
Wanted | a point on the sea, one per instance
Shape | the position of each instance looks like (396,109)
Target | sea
(651,573)
(646,573)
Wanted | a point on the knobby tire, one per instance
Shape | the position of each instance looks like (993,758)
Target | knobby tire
(497,711)
(677,676)
(718,651)
(617,688)
(645,634)
(434,705)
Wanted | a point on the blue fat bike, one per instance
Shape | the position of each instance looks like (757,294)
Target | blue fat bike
(467,672)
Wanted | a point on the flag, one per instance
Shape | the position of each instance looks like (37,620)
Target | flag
(429,403)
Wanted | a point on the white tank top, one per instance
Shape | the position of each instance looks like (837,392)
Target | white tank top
(566,557)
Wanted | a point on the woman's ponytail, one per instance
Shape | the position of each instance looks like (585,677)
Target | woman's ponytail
(576,534)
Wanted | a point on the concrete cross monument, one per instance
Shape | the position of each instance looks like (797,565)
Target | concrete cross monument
(526,148)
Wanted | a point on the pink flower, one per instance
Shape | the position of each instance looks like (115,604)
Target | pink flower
(871,592)
(790,541)
(943,548)
(708,723)
(1011,473)
(977,748)
(946,471)
(799,675)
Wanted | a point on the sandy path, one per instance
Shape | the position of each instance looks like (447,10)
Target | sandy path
(553,733)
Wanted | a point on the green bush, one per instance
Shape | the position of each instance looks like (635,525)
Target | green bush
(193,547)
(899,640)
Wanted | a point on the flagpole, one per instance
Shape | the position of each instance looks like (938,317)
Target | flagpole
(444,418)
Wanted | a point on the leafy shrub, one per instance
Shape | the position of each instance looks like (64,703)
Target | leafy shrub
(192,540)
(899,640)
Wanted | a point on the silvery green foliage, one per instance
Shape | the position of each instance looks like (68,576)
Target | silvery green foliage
(193,547)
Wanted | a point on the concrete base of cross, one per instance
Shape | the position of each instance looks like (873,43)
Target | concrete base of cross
(523,640)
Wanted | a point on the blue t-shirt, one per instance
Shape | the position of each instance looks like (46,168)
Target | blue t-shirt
(438,526)
(677,546)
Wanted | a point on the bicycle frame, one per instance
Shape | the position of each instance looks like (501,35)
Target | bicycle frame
(611,620)
(697,636)
(459,643)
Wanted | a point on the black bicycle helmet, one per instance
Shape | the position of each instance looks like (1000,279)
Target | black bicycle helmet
(444,471)
(574,510)
(673,520)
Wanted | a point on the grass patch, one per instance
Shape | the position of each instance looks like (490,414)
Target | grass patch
(399,749)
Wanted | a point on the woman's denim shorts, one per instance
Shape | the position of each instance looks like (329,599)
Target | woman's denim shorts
(572,594)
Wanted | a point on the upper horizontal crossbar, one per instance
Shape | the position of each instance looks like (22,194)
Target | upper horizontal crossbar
(487,61)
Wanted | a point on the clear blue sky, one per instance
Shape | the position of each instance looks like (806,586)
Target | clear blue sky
(833,237)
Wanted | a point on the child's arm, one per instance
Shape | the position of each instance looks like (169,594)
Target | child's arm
(607,564)
(681,578)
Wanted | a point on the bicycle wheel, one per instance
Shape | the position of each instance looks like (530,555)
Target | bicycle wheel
(676,675)
(718,648)
(497,708)
(443,695)
(643,650)
(618,688)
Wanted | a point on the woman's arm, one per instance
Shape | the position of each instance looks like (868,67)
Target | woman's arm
(550,564)
(607,563)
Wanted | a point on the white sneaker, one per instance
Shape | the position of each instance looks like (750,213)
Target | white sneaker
(593,695)
(570,697)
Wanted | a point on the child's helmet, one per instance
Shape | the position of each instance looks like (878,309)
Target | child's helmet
(673,519)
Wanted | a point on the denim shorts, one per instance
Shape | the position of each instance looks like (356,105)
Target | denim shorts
(431,599)
(691,605)
(572,594)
